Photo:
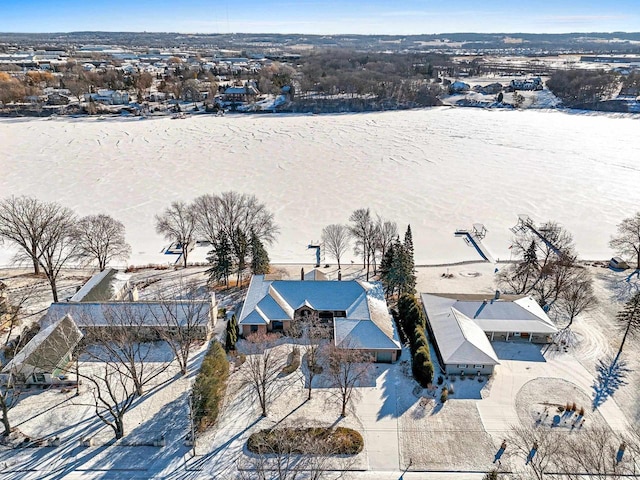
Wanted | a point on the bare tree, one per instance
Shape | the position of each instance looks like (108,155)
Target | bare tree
(9,391)
(534,450)
(545,264)
(183,319)
(629,319)
(315,333)
(385,232)
(76,85)
(592,454)
(577,297)
(238,217)
(24,221)
(113,394)
(348,368)
(101,238)
(177,224)
(363,232)
(14,304)
(262,366)
(627,241)
(230,211)
(336,240)
(58,247)
(122,339)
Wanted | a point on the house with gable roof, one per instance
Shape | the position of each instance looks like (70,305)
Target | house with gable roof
(462,327)
(45,357)
(356,311)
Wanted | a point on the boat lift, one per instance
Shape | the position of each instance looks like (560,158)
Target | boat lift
(526,223)
(474,238)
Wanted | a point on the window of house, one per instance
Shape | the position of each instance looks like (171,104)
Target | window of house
(254,328)
(38,377)
(462,366)
(478,366)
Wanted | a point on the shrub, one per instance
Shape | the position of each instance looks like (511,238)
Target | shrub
(444,395)
(422,366)
(210,386)
(294,361)
(573,407)
(341,441)
(419,339)
(581,412)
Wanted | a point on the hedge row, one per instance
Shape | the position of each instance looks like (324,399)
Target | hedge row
(210,386)
(310,441)
(413,322)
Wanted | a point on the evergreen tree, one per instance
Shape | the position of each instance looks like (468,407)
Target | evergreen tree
(231,334)
(402,268)
(408,240)
(221,260)
(241,247)
(259,256)
(386,272)
(531,255)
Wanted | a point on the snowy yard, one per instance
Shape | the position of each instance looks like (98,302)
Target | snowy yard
(400,423)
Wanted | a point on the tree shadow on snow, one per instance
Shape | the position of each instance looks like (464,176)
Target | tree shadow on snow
(611,376)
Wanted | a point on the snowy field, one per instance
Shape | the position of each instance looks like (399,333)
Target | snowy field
(438,169)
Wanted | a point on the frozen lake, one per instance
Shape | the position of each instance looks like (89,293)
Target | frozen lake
(438,169)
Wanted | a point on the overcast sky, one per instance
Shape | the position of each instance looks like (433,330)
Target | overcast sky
(400,17)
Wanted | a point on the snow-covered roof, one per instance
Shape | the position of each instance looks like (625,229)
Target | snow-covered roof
(367,324)
(461,326)
(100,314)
(460,340)
(315,274)
(48,347)
(101,287)
(522,315)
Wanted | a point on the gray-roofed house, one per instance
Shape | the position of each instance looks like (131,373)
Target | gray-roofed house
(94,318)
(110,284)
(356,310)
(462,328)
(45,357)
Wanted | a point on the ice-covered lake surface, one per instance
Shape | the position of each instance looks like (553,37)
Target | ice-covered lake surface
(437,169)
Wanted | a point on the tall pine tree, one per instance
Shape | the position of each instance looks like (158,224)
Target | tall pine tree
(241,249)
(221,259)
(386,271)
(231,334)
(259,256)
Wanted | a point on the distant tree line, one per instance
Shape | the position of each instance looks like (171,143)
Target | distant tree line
(584,88)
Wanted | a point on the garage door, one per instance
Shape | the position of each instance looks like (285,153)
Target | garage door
(384,357)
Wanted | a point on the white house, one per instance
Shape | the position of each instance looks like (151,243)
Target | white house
(356,311)
(462,328)
(108,97)
(45,357)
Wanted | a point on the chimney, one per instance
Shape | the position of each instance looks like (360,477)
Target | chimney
(497,297)
(302,274)
(339,275)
